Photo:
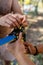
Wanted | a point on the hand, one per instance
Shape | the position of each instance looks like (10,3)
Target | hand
(7,24)
(22,19)
(13,20)
(17,48)
(30,47)
(10,20)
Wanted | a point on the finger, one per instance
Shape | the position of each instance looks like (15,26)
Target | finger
(28,49)
(6,24)
(21,17)
(20,37)
(14,22)
(17,18)
(10,23)
(26,44)
(25,24)
(30,45)
(24,19)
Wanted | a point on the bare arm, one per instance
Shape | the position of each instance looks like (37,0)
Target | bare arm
(24,60)
(18,50)
(16,7)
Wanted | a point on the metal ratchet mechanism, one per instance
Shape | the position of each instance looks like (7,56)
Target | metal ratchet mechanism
(12,37)
(16,32)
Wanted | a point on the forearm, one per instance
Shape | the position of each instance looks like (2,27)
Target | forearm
(24,60)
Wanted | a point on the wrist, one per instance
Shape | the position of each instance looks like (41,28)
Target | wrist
(20,56)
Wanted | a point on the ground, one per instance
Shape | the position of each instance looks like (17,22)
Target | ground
(35,30)
(35,35)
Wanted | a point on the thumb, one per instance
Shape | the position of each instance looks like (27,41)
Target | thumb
(20,36)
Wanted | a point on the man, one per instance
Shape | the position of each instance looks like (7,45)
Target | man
(8,22)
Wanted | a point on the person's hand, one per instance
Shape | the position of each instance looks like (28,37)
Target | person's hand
(18,51)
(10,20)
(17,48)
(8,23)
(22,19)
(13,20)
(30,48)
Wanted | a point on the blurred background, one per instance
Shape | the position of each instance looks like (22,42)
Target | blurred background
(33,9)
(35,6)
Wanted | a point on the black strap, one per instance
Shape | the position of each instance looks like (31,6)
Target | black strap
(36,51)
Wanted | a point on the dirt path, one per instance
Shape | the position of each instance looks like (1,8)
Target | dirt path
(35,32)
